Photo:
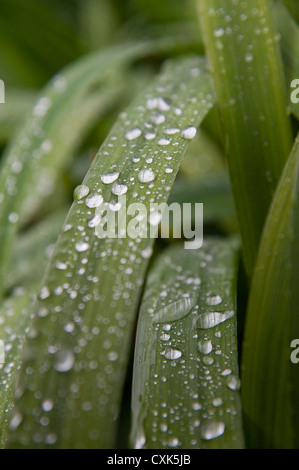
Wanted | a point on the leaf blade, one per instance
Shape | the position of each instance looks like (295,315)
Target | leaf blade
(100,301)
(174,404)
(257,132)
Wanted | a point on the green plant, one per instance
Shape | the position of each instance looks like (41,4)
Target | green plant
(83,315)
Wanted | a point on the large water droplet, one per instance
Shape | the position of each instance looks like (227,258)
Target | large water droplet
(233,382)
(147,252)
(81,191)
(109,178)
(164,141)
(213,300)
(175,310)
(47,405)
(64,360)
(94,201)
(133,134)
(146,176)
(205,346)
(211,319)
(172,354)
(212,430)
(82,246)
(119,189)
(189,132)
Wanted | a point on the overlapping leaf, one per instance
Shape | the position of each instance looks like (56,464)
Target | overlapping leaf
(242,46)
(185,383)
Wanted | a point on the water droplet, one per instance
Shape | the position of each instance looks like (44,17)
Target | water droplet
(44,293)
(82,246)
(149,135)
(113,356)
(233,383)
(189,132)
(64,360)
(196,406)
(205,346)
(213,300)
(219,32)
(146,176)
(164,141)
(94,222)
(157,118)
(217,402)
(211,319)
(212,430)
(172,131)
(13,217)
(154,218)
(50,439)
(172,442)
(164,337)
(147,252)
(42,106)
(249,57)
(81,191)
(172,354)
(94,201)
(133,134)
(119,189)
(47,405)
(226,372)
(109,178)
(60,265)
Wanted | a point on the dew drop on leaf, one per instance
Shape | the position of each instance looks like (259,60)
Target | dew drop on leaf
(146,176)
(189,132)
(108,178)
(81,191)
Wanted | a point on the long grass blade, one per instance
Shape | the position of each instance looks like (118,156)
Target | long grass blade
(241,43)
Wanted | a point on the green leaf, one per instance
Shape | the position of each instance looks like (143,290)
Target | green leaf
(270,379)
(242,47)
(185,378)
(86,310)
(289,31)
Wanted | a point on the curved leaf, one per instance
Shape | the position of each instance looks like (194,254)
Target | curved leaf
(85,315)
